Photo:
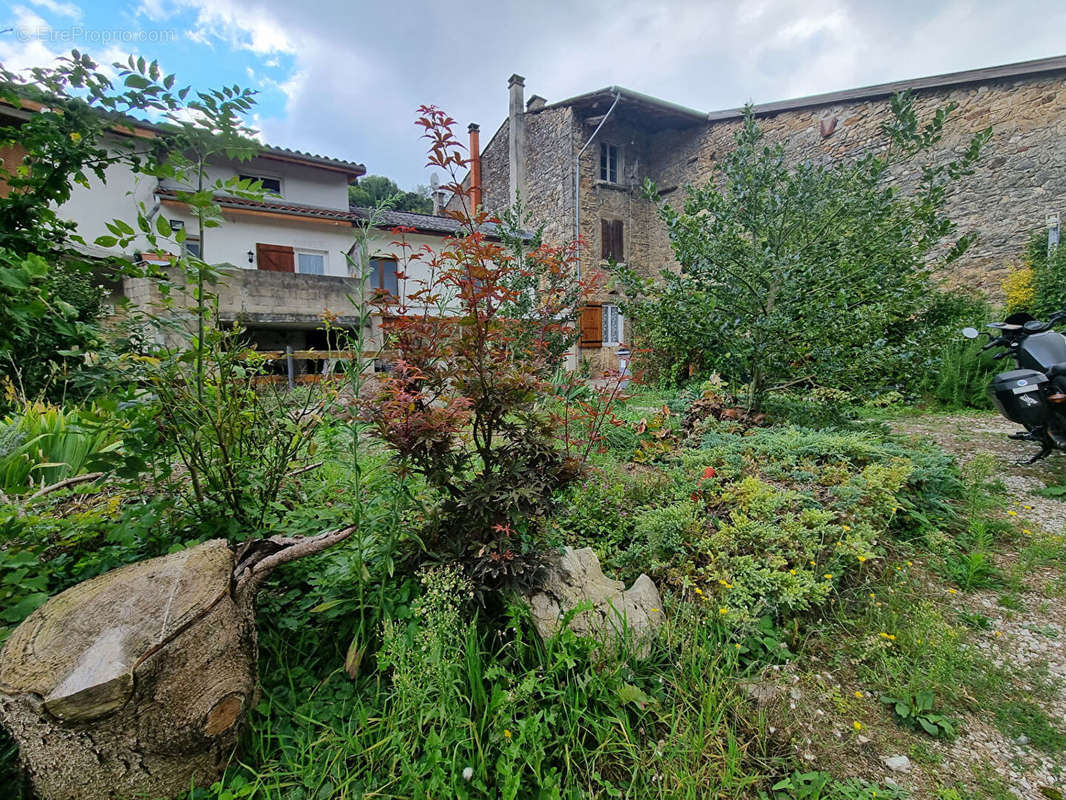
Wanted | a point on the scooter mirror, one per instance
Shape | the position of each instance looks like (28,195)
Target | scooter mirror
(971,333)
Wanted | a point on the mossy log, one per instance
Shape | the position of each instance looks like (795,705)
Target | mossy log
(137,683)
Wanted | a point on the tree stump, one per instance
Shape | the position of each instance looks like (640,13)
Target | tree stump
(136,683)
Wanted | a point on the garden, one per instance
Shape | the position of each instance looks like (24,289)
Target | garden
(858,592)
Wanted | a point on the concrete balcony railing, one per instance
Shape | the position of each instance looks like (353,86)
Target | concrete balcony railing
(262,298)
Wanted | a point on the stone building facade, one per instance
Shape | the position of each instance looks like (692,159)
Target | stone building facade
(611,140)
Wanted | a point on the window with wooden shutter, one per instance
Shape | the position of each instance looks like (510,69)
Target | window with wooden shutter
(591,321)
(275,258)
(611,240)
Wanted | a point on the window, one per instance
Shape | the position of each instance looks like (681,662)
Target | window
(311,262)
(270,185)
(612,323)
(274,257)
(609,162)
(383,276)
(611,240)
(191,244)
(590,324)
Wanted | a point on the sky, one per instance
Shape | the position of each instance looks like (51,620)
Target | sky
(344,78)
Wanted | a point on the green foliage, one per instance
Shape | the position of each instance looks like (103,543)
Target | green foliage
(1049,277)
(917,710)
(813,272)
(236,441)
(660,534)
(817,408)
(447,710)
(48,316)
(40,445)
(962,377)
(823,786)
(374,191)
(1024,717)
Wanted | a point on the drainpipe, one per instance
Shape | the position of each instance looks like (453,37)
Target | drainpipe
(475,167)
(577,179)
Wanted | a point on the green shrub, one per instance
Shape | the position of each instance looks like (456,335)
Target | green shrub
(660,534)
(1049,276)
(962,376)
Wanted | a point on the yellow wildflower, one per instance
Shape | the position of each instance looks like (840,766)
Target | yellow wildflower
(858,693)
(952,591)
(828,576)
(1013,513)
(846,527)
(698,590)
(506,734)
(723,610)
(857,725)
(862,558)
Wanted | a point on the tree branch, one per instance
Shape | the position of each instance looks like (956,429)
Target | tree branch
(63,484)
(256,560)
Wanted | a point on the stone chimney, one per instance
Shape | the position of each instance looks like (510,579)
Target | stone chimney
(516,137)
(475,166)
(535,103)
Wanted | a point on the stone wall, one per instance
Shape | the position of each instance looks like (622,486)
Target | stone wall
(1020,179)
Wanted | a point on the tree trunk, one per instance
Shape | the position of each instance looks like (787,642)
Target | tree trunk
(137,683)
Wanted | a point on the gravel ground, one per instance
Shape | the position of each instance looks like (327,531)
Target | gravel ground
(1031,636)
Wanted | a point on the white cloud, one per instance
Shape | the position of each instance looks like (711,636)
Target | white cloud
(57,7)
(355,72)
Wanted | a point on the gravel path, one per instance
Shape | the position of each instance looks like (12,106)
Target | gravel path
(1030,635)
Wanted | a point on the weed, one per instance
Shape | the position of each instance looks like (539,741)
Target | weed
(1023,717)
(917,711)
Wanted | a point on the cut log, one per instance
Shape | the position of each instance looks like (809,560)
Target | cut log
(134,679)
(137,683)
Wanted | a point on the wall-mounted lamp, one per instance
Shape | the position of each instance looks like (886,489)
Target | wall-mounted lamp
(251,257)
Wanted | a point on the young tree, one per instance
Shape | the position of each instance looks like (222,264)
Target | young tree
(818,272)
(468,403)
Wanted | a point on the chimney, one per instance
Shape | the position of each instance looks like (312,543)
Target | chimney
(475,167)
(516,137)
(436,194)
(535,103)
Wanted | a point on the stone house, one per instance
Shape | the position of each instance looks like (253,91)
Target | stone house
(579,165)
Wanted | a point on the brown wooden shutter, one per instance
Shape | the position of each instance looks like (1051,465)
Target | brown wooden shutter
(611,239)
(591,321)
(275,258)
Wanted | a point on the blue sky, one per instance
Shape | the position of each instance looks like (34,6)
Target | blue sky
(344,77)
